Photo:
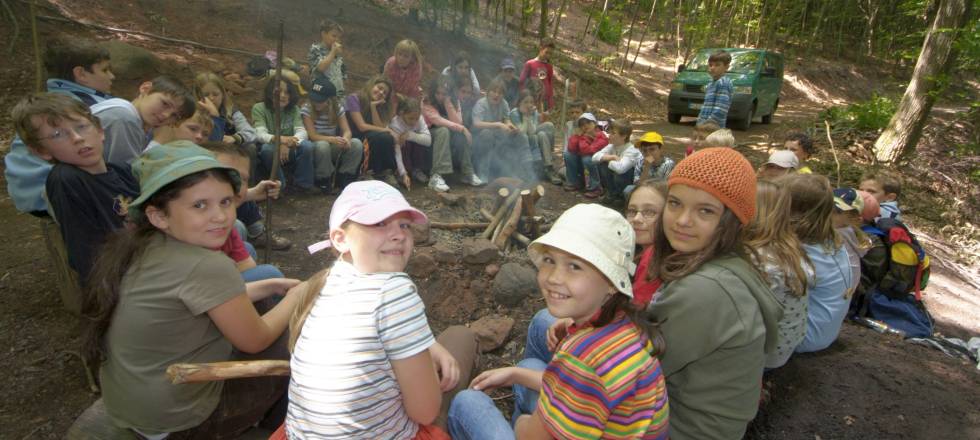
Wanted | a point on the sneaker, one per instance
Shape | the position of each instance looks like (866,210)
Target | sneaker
(437,183)
(570,187)
(279,243)
(553,176)
(596,193)
(419,176)
(474,180)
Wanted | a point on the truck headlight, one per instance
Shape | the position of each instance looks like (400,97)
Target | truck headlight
(743,90)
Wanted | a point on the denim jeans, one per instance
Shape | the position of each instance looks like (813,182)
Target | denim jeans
(615,184)
(300,162)
(575,168)
(537,337)
(260,272)
(472,414)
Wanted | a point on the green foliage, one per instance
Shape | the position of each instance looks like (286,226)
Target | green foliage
(610,30)
(873,114)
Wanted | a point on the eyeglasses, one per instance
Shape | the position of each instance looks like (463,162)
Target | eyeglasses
(58,135)
(646,213)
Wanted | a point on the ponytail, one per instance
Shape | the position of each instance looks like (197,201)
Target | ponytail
(306,300)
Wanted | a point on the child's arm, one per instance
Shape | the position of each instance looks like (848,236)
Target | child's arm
(125,139)
(627,163)
(603,155)
(433,117)
(245,329)
(299,131)
(531,427)
(324,63)
(420,135)
(244,132)
(259,290)
(263,190)
(507,376)
(419,386)
(355,108)
(596,143)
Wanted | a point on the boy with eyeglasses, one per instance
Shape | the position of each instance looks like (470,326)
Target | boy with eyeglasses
(86,196)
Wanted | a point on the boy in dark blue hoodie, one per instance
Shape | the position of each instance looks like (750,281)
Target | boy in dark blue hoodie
(77,68)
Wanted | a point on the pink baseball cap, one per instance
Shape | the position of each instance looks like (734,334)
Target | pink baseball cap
(367,203)
(871,207)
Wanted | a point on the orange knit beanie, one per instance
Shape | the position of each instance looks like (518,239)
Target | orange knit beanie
(723,173)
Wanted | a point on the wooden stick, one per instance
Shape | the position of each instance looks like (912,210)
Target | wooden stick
(191,373)
(502,194)
(276,141)
(528,202)
(500,213)
(521,238)
(510,225)
(486,214)
(833,149)
(444,225)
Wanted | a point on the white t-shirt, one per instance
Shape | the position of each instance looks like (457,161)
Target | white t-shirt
(342,385)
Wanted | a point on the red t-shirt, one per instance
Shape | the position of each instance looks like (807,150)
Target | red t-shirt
(234,247)
(531,70)
(643,289)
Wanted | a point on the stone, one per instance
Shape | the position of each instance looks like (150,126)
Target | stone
(457,304)
(513,284)
(450,199)
(492,269)
(421,265)
(479,251)
(131,62)
(492,331)
(442,253)
(421,233)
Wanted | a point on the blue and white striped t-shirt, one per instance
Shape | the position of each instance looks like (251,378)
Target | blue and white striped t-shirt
(717,100)
(342,385)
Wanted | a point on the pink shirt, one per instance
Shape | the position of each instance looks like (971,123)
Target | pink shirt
(453,119)
(405,80)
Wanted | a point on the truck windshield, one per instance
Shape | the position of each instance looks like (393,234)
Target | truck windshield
(742,62)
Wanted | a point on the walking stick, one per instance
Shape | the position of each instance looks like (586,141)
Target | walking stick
(276,141)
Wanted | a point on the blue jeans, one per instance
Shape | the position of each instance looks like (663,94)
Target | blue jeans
(615,184)
(537,337)
(575,168)
(300,162)
(472,414)
(260,272)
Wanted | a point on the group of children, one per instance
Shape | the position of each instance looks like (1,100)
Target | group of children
(659,320)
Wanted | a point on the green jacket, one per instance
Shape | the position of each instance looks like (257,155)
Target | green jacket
(718,323)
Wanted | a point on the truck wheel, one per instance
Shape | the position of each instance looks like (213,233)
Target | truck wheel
(673,118)
(767,119)
(744,124)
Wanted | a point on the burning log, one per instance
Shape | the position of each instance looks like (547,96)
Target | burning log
(501,211)
(508,228)
(529,198)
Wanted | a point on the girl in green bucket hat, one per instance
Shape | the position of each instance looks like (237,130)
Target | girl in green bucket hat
(159,295)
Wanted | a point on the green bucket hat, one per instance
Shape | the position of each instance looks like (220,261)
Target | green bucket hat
(163,164)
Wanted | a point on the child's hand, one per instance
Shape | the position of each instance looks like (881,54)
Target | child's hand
(378,102)
(337,48)
(267,188)
(279,286)
(407,181)
(209,106)
(609,157)
(228,139)
(557,331)
(446,367)
(469,136)
(498,377)
(402,138)
(283,154)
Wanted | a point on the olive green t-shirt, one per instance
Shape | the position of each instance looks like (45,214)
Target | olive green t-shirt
(161,319)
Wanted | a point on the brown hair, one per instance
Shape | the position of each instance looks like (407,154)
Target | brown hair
(226,107)
(771,233)
(364,96)
(669,265)
(720,56)
(547,42)
(53,107)
(622,127)
(407,104)
(812,204)
(62,56)
(410,47)
(327,25)
(177,90)
(498,86)
(805,142)
(122,250)
(306,301)
(888,182)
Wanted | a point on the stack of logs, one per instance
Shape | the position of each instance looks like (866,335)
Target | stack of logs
(513,220)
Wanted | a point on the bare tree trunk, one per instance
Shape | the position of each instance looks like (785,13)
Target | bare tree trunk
(905,128)
(543,25)
(561,11)
(585,30)
(629,40)
(598,23)
(644,33)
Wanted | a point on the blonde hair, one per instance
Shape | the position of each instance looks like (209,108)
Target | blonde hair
(226,107)
(771,232)
(720,138)
(411,48)
(306,301)
(810,210)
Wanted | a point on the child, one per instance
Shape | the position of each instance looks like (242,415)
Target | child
(413,140)
(576,107)
(86,196)
(166,297)
(780,163)
(716,314)
(499,147)
(718,93)
(295,149)
(719,138)
(874,262)
(811,209)
(451,140)
(846,218)
(465,85)
(230,125)
(368,117)
(196,129)
(656,165)
(365,364)
(404,69)
(79,69)
(802,146)
(604,379)
(618,161)
(540,67)
(337,151)
(508,75)
(128,125)
(587,140)
(236,247)
(885,189)
(778,254)
(540,135)
(326,59)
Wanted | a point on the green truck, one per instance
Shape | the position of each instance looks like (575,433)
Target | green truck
(757,77)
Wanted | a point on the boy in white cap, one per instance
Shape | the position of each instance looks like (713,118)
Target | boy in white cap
(780,163)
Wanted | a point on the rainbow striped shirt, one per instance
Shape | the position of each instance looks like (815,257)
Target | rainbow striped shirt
(604,383)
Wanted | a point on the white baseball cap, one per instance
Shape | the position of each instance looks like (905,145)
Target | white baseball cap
(784,159)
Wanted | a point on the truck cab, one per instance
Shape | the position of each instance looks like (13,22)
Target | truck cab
(757,78)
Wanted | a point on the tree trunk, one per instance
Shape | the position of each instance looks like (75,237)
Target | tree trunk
(543,25)
(629,40)
(598,23)
(905,127)
(644,33)
(561,11)
(585,30)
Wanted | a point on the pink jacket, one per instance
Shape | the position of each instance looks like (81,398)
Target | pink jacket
(452,121)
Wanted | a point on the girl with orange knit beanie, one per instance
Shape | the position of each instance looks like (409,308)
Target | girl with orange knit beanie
(717,315)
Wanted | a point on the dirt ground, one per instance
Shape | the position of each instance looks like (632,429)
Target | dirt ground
(865,386)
